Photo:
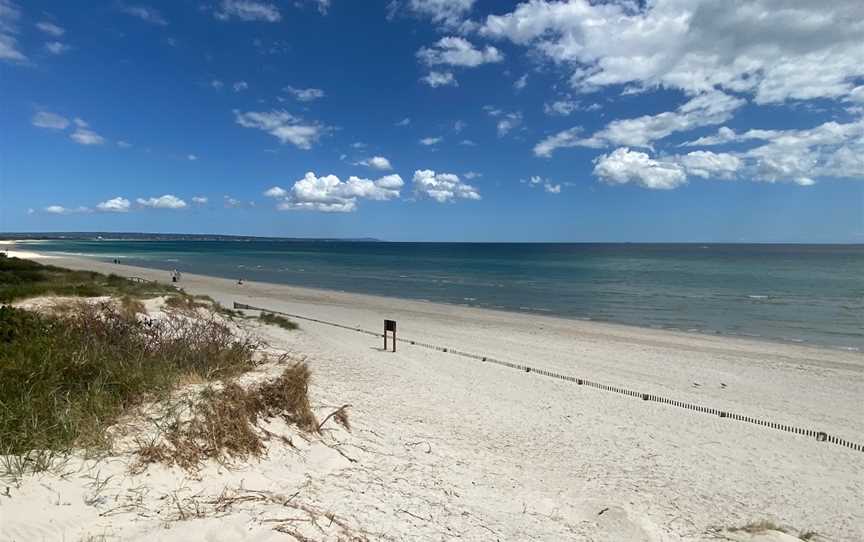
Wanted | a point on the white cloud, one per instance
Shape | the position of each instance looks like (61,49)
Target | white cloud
(199,200)
(276,192)
(9,16)
(114,205)
(561,108)
(377,162)
(459,125)
(442,187)
(521,83)
(145,13)
(56,47)
(449,13)
(50,28)
(60,210)
(710,165)
(702,110)
(217,84)
(248,10)
(285,127)
(468,143)
(86,136)
(829,150)
(124,144)
(191,157)
(429,141)
(52,121)
(623,166)
(508,122)
(167,201)
(456,51)
(536,181)
(472,175)
(240,86)
(440,79)
(329,194)
(305,94)
(773,50)
(231,203)
(404,122)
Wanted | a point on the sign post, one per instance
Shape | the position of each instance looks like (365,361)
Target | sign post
(389,325)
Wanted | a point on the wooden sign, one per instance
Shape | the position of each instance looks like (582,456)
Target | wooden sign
(390,325)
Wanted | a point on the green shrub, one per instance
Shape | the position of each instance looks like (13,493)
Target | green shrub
(277,320)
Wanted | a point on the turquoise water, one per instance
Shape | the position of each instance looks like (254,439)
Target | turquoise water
(813,294)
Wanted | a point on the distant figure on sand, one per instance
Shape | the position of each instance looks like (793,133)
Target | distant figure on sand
(175,276)
(240,281)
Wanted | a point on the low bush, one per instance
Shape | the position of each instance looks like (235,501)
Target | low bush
(277,320)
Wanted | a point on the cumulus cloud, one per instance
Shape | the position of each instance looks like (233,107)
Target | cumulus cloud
(305,94)
(442,187)
(50,28)
(167,201)
(623,166)
(703,110)
(404,122)
(114,205)
(800,164)
(284,126)
(248,10)
(199,200)
(772,50)
(9,16)
(145,13)
(328,193)
(240,86)
(51,121)
(457,51)
(429,141)
(377,162)
(829,150)
(437,79)
(276,192)
(710,165)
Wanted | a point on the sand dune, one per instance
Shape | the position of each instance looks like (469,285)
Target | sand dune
(444,447)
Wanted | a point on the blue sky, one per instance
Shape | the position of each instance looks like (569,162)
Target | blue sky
(448,120)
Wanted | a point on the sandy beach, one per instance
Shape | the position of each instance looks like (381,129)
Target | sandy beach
(444,447)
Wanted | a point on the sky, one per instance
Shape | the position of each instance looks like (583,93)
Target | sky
(436,120)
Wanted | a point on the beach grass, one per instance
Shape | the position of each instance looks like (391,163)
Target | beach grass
(21,279)
(224,421)
(277,320)
(66,377)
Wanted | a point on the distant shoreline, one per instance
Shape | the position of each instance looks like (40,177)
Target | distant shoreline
(142,236)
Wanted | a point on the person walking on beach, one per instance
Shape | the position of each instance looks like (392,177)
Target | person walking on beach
(175,276)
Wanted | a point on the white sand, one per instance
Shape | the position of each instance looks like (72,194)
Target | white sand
(444,447)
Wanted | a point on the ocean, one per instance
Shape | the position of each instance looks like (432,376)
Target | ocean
(801,293)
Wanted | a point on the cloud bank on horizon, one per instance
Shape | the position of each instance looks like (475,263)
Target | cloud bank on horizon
(658,96)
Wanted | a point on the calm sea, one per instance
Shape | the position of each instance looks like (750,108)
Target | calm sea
(807,293)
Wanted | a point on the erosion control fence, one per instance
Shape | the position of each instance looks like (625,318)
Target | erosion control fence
(820,436)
